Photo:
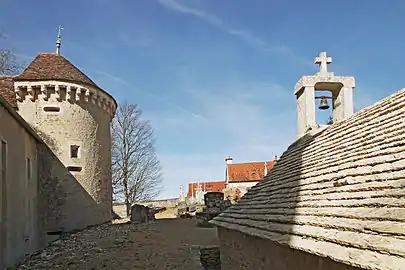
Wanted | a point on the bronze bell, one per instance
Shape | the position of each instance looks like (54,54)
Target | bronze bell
(324,104)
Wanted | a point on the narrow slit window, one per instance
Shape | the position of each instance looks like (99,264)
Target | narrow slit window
(74,151)
(74,168)
(29,173)
(52,109)
(3,161)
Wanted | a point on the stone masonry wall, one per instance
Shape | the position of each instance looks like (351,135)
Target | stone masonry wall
(161,203)
(75,123)
(64,205)
(241,251)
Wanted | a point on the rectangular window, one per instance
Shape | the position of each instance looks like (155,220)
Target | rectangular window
(74,151)
(74,168)
(28,168)
(51,109)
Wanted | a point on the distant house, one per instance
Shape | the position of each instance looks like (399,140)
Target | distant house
(205,187)
(240,177)
(197,190)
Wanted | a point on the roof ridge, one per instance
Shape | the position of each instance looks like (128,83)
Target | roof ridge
(363,110)
(307,136)
(251,162)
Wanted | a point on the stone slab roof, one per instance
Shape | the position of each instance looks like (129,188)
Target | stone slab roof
(339,193)
(51,66)
(7,90)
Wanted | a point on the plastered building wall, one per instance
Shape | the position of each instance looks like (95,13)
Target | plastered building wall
(242,186)
(39,198)
(240,251)
(69,115)
(18,190)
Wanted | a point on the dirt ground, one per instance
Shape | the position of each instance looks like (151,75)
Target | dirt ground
(161,244)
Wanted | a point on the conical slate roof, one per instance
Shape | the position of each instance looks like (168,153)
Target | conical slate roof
(339,193)
(51,66)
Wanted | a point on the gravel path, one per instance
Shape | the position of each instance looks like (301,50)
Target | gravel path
(161,244)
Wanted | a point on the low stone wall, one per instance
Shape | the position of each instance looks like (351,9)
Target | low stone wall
(141,213)
(168,203)
(241,251)
(120,210)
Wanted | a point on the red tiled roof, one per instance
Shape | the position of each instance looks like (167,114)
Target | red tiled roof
(51,66)
(7,90)
(252,171)
(205,187)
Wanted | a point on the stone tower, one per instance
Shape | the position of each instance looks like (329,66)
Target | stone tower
(340,87)
(72,115)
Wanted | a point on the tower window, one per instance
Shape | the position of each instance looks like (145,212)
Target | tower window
(74,151)
(29,174)
(74,168)
(51,109)
(3,163)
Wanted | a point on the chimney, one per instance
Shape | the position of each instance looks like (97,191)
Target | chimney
(228,160)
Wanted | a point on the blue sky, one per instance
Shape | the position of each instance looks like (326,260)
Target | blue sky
(215,77)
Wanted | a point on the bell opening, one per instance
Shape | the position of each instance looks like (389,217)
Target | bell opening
(323,105)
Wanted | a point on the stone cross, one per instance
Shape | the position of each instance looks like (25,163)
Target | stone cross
(323,61)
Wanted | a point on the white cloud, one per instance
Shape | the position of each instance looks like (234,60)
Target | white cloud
(255,133)
(155,97)
(176,6)
(244,35)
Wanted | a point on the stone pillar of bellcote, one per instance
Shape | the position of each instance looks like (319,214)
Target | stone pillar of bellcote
(306,109)
(343,106)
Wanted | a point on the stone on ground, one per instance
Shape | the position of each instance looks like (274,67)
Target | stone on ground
(161,244)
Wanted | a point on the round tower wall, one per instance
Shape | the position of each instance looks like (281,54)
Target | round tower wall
(74,121)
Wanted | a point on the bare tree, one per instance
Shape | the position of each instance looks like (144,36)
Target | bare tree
(8,61)
(135,166)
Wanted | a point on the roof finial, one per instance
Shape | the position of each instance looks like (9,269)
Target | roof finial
(58,40)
